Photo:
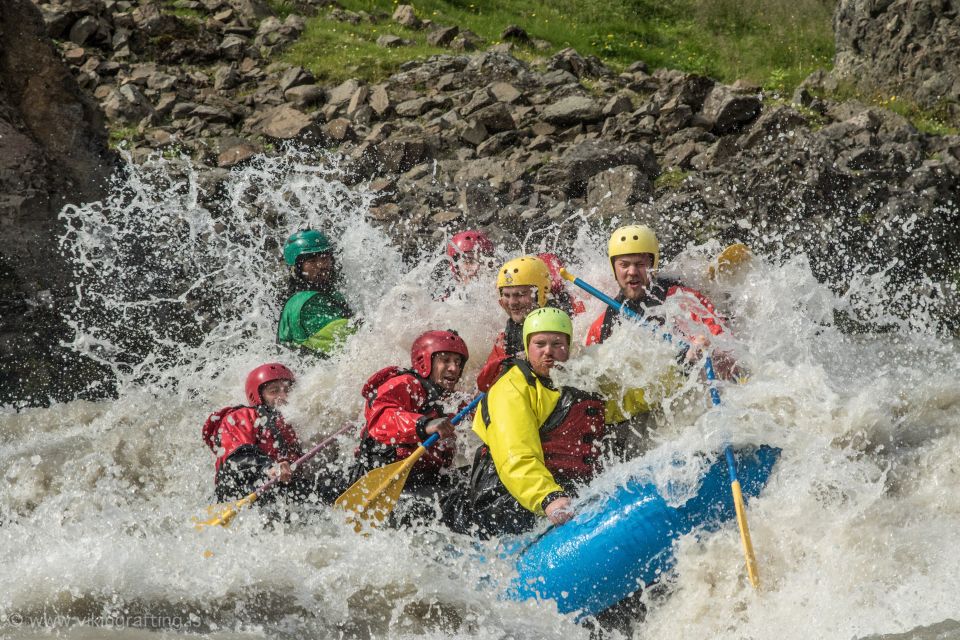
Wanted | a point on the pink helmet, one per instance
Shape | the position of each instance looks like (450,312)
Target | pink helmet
(262,375)
(471,241)
(433,342)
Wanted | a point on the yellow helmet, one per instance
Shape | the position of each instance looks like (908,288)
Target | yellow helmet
(528,271)
(634,238)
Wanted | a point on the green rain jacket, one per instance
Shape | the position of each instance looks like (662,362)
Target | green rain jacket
(314,320)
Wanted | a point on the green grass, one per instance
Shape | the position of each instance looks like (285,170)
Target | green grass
(120,136)
(934,121)
(670,179)
(775,43)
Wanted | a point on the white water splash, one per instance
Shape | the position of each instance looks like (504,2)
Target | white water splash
(855,533)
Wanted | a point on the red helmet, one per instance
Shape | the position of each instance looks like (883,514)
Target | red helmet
(468,242)
(262,375)
(554,264)
(432,342)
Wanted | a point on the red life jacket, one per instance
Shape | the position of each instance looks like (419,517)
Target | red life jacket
(569,435)
(230,428)
(395,439)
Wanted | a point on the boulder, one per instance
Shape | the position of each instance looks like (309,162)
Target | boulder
(618,188)
(571,172)
(405,15)
(729,112)
(287,123)
(442,36)
(572,110)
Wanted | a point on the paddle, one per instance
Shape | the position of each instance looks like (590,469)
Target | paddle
(223,513)
(748,553)
(375,495)
(729,260)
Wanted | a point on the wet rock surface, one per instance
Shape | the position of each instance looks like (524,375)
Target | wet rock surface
(53,152)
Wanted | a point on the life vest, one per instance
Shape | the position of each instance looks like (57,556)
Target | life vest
(569,434)
(696,306)
(227,430)
(372,453)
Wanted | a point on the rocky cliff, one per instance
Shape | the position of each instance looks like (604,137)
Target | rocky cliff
(52,152)
(906,48)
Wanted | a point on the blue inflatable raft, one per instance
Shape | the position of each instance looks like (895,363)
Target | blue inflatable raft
(603,555)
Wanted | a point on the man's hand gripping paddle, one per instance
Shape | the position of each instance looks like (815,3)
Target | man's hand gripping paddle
(373,497)
(748,553)
(222,514)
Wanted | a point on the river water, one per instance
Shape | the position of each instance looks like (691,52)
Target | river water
(856,533)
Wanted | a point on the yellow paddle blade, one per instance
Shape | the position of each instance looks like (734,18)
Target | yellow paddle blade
(729,260)
(745,534)
(222,514)
(372,498)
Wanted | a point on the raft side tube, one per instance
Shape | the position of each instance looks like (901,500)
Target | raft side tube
(604,554)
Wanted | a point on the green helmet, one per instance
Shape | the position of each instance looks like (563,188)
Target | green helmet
(305,242)
(547,319)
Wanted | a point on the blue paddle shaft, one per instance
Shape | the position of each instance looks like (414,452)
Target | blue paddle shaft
(429,442)
(627,311)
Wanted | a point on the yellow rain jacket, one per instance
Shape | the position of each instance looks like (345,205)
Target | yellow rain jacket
(516,412)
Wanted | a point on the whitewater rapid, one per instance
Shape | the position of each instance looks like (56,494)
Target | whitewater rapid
(855,535)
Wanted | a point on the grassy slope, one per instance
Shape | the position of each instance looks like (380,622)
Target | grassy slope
(775,43)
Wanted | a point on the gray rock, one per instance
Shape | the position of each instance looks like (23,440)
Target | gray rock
(339,129)
(286,123)
(161,81)
(515,33)
(617,104)
(414,108)
(379,99)
(294,77)
(618,188)
(772,126)
(232,47)
(357,100)
(571,110)
(729,112)
(341,94)
(899,49)
(402,154)
(474,133)
(226,77)
(209,113)
(466,40)
(406,16)
(495,118)
(581,67)
(84,29)
(442,36)
(389,41)
(236,154)
(504,92)
(571,172)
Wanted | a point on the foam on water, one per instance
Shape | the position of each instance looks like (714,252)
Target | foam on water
(855,534)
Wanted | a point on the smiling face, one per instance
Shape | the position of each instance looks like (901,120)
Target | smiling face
(274,393)
(518,301)
(446,369)
(546,349)
(633,272)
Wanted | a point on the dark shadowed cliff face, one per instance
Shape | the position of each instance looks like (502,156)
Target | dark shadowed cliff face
(53,152)
(901,47)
